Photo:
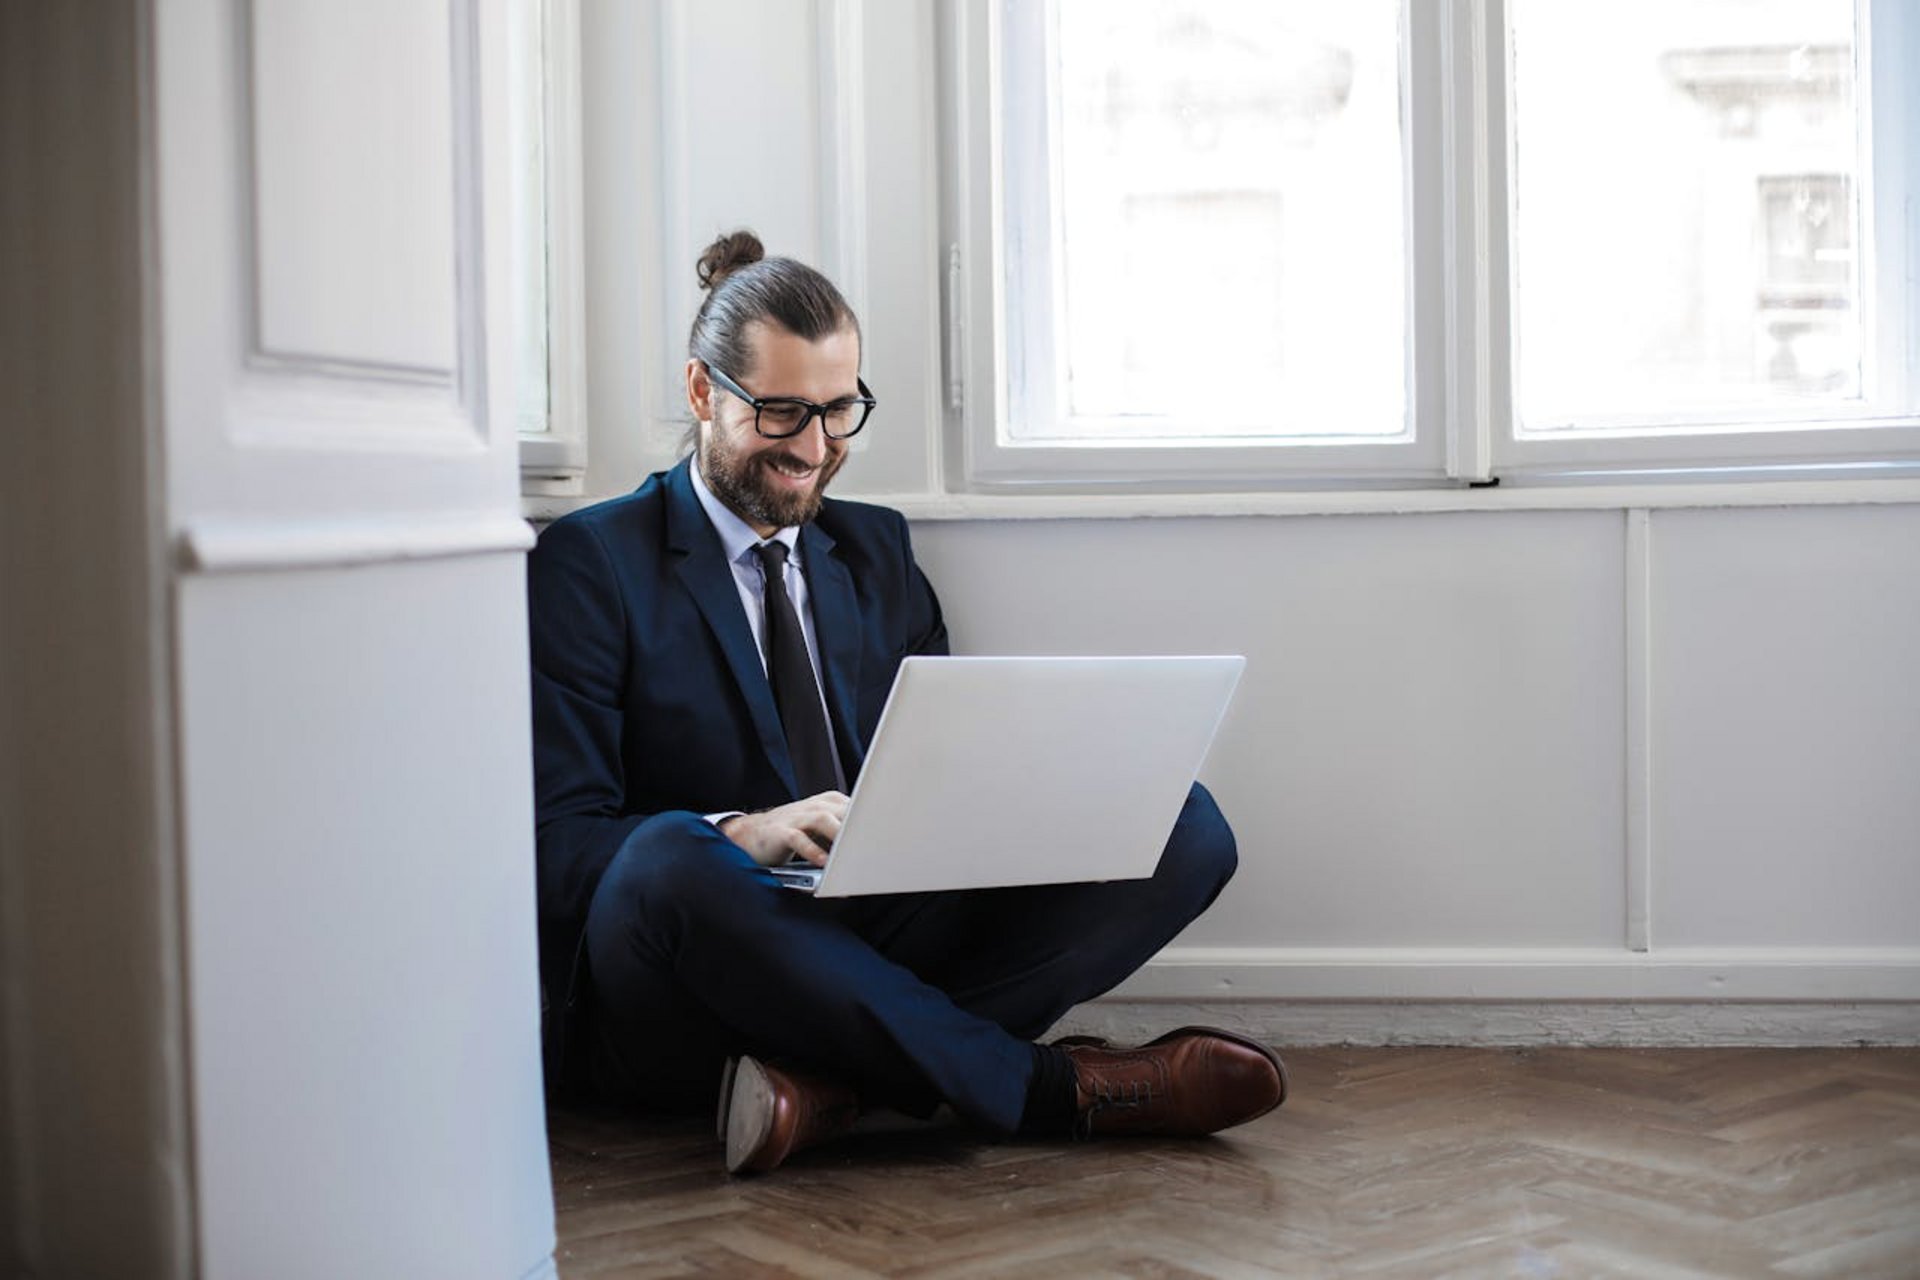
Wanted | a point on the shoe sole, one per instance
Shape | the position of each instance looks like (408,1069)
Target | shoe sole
(747,1121)
(727,1074)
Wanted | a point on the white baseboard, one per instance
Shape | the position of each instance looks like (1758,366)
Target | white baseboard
(1776,996)
(1660,1024)
(1460,974)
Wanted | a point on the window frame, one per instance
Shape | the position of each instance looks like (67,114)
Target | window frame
(1462,426)
(553,462)
(985,324)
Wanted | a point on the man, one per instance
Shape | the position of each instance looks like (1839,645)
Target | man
(710,658)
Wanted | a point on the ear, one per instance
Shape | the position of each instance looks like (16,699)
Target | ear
(699,391)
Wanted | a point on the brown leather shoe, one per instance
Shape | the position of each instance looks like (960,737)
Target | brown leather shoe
(1189,1082)
(767,1113)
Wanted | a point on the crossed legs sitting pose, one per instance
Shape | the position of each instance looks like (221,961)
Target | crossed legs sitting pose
(702,701)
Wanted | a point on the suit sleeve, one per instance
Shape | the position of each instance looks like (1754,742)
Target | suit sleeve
(577,633)
(926,627)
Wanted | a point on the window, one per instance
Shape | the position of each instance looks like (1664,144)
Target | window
(1208,167)
(548,298)
(1707,236)
(1221,241)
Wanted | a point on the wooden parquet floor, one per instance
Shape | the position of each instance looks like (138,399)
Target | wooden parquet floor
(1383,1163)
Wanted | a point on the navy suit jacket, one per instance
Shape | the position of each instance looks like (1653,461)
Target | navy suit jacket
(649,694)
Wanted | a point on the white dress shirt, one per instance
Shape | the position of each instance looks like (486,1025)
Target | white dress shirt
(738,540)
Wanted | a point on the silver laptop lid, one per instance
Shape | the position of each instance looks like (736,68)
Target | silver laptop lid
(1001,771)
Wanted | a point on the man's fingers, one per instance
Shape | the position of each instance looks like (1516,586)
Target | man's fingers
(804,829)
(824,825)
(830,802)
(804,845)
(819,831)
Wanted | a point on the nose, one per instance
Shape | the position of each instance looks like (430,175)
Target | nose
(811,444)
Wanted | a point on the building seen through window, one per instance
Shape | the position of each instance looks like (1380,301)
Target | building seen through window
(1686,209)
(1218,247)
(1229,237)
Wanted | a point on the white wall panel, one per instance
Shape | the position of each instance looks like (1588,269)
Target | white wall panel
(902,256)
(367,1094)
(810,134)
(326,268)
(1786,727)
(631,364)
(837,174)
(95,1149)
(747,116)
(741,124)
(356,802)
(353,168)
(1427,747)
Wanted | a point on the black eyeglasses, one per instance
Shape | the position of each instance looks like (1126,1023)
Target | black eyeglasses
(777,417)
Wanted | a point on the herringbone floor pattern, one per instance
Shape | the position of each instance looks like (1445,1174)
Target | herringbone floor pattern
(1384,1163)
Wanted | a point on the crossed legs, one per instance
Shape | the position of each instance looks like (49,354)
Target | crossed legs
(695,954)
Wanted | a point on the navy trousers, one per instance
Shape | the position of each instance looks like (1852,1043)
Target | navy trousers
(695,954)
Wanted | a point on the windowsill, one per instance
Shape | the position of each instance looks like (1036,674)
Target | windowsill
(1325,502)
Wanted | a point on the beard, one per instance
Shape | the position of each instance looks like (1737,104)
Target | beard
(739,478)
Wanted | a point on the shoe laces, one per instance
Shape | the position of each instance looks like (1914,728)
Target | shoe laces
(1109,1097)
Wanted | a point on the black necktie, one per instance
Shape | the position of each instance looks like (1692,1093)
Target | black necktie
(795,690)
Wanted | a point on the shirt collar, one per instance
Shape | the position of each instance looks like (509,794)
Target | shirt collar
(736,535)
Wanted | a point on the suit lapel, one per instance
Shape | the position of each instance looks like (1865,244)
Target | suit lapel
(836,625)
(708,578)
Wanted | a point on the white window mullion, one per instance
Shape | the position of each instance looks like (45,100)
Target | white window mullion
(1469,330)
(971,127)
(1892,29)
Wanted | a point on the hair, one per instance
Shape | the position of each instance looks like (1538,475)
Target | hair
(743,285)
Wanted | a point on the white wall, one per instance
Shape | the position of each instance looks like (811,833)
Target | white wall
(366,1081)
(1503,752)
(1432,768)
(349,625)
(94,1137)
(270,1002)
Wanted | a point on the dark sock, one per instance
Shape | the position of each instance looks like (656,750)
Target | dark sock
(1050,1106)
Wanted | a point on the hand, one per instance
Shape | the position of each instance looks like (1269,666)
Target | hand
(805,829)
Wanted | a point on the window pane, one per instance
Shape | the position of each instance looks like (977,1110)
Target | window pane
(1227,241)
(1687,211)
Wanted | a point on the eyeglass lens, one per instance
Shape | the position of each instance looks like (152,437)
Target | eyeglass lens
(779,417)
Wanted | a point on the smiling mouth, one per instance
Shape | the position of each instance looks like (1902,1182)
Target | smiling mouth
(792,469)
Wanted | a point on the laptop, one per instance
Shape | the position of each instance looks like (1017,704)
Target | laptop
(991,772)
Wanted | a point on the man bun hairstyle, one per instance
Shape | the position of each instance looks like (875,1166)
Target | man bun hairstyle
(743,285)
(727,255)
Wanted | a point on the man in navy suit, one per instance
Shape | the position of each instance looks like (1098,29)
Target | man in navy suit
(710,657)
